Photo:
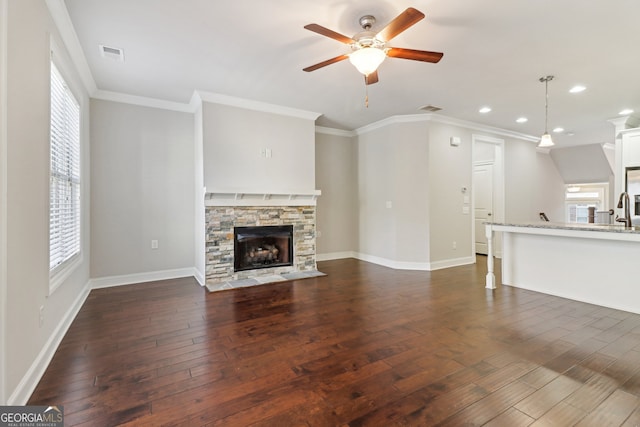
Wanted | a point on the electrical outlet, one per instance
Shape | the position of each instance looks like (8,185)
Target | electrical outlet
(154,244)
(41,316)
(454,245)
(318,233)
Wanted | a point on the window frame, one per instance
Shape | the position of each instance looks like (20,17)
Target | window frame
(60,272)
(585,196)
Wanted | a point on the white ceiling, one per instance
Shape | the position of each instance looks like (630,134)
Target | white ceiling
(494,53)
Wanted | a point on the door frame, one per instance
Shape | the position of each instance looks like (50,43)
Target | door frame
(481,164)
(498,188)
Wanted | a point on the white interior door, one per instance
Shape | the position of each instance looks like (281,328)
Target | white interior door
(483,203)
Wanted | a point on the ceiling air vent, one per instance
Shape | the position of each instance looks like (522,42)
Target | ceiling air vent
(114,53)
(430,108)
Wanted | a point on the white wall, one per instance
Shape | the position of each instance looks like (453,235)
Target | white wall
(199,210)
(549,189)
(393,192)
(411,163)
(142,189)
(336,176)
(28,345)
(450,169)
(233,141)
(532,184)
(376,233)
(4,7)
(582,164)
(411,192)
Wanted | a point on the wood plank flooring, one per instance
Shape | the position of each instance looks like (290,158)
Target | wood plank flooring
(363,346)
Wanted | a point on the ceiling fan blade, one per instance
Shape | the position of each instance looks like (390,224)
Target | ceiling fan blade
(329,33)
(416,55)
(400,23)
(325,63)
(371,78)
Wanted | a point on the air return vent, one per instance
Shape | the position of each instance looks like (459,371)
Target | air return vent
(430,108)
(110,52)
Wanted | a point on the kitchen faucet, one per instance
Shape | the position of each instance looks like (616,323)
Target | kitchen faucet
(627,213)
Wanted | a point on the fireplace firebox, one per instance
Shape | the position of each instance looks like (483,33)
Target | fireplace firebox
(262,247)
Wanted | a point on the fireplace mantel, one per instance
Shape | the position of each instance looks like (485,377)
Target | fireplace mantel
(261,198)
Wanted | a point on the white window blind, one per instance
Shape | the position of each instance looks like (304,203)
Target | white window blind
(64,178)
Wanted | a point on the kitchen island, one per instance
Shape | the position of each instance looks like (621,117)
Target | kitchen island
(598,264)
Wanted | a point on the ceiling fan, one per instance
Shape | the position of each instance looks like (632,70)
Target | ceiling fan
(369,49)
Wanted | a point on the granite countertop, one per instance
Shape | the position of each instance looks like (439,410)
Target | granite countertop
(612,228)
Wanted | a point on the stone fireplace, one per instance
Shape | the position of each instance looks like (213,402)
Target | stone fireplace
(244,221)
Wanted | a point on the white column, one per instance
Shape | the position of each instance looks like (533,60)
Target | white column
(491,278)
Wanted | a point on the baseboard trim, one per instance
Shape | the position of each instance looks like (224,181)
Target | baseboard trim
(421,266)
(396,265)
(335,255)
(150,276)
(32,377)
(454,262)
(199,276)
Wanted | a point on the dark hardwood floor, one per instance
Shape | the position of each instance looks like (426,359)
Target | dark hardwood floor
(365,345)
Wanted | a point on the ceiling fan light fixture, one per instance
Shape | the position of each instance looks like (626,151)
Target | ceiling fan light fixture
(367,59)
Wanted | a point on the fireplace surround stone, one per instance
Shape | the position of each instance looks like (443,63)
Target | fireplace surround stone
(221,220)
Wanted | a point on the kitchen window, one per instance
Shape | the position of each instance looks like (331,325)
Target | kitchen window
(579,198)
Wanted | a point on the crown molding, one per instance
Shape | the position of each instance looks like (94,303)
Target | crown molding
(249,104)
(335,132)
(143,101)
(61,18)
(439,118)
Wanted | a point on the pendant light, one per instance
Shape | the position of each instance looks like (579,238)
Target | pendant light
(545,140)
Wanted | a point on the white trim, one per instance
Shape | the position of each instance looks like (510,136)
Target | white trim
(59,274)
(143,101)
(150,276)
(421,266)
(261,198)
(4,6)
(498,211)
(387,262)
(61,18)
(453,262)
(196,102)
(335,255)
(335,132)
(249,104)
(30,380)
(199,276)
(439,118)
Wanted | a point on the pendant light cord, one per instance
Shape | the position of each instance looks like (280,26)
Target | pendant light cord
(546,101)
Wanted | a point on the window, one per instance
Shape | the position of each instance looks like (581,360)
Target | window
(579,198)
(64,174)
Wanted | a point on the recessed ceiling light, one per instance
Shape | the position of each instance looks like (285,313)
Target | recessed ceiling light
(626,112)
(522,120)
(558,130)
(577,89)
(484,110)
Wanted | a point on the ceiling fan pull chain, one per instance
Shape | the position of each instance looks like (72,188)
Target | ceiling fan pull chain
(366,93)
